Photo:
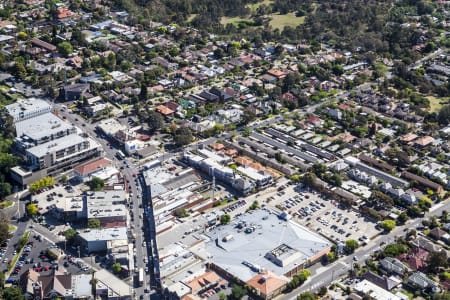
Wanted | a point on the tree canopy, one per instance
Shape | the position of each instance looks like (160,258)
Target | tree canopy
(65,48)
(96,184)
(93,223)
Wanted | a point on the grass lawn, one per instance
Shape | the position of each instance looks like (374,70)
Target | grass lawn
(232,20)
(6,203)
(436,103)
(12,228)
(254,6)
(191,17)
(280,21)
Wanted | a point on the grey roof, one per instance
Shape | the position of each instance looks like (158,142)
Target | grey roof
(104,234)
(41,126)
(26,106)
(56,145)
(422,280)
(81,285)
(243,253)
(393,265)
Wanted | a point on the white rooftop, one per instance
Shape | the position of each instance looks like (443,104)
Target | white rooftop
(110,126)
(105,234)
(243,254)
(41,126)
(376,292)
(25,106)
(56,145)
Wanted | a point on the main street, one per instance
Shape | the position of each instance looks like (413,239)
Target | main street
(130,172)
(324,276)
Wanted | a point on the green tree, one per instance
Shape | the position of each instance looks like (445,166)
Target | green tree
(143,94)
(309,180)
(19,70)
(238,292)
(295,178)
(248,115)
(65,48)
(5,189)
(255,205)
(155,120)
(70,234)
(93,223)
(13,293)
(393,250)
(32,209)
(387,225)
(225,219)
(181,213)
(437,260)
(402,218)
(64,179)
(306,296)
(443,116)
(222,295)
(41,183)
(442,296)
(4,228)
(322,291)
(22,36)
(116,268)
(351,245)
(183,136)
(96,184)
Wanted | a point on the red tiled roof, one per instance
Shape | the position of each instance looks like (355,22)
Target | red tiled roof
(92,166)
(164,110)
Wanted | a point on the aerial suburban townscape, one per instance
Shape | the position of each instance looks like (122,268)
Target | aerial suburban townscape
(235,149)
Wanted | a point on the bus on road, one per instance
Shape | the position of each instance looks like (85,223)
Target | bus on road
(120,155)
(141,277)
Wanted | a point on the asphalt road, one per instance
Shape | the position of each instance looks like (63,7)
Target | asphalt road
(324,276)
(132,186)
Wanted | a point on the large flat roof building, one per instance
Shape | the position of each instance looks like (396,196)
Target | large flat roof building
(260,241)
(41,129)
(107,206)
(96,240)
(24,109)
(68,151)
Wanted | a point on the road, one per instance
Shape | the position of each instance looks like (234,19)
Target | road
(130,171)
(420,62)
(326,275)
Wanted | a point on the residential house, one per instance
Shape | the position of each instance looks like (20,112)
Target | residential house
(43,45)
(422,282)
(416,258)
(95,106)
(393,266)
(440,235)
(315,121)
(387,283)
(423,142)
(279,74)
(423,182)
(56,284)
(221,93)
(164,110)
(75,91)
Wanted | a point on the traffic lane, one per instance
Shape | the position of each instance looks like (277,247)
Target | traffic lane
(11,245)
